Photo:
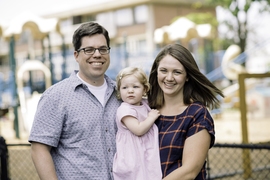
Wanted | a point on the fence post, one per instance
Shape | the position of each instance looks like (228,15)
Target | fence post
(4,159)
(243,110)
(208,170)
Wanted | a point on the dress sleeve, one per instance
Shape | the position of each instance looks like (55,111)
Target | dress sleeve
(202,120)
(125,110)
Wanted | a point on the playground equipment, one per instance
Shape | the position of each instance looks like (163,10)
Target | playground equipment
(236,94)
(28,104)
(231,70)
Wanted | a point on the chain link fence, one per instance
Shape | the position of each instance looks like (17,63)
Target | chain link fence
(224,162)
(20,165)
(239,162)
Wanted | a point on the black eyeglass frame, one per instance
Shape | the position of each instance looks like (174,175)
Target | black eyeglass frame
(107,48)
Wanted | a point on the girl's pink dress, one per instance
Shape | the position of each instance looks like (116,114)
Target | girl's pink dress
(136,158)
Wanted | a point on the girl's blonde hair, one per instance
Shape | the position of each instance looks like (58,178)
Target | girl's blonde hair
(138,73)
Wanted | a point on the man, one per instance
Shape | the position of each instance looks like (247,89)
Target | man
(73,134)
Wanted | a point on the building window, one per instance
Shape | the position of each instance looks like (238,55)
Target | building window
(141,44)
(65,23)
(141,14)
(77,19)
(87,18)
(124,17)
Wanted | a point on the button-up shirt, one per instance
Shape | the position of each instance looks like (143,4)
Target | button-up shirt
(80,130)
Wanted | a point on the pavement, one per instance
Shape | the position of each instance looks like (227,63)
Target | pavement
(228,127)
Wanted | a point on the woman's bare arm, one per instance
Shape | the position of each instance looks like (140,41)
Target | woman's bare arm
(194,154)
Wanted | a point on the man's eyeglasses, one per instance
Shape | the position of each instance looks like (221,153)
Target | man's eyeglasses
(91,50)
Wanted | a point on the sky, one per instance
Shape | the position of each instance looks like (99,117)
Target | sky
(257,22)
(258,41)
(12,8)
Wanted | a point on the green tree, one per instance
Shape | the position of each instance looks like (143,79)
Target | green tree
(237,21)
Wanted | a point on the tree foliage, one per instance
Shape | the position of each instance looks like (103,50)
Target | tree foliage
(200,18)
(237,20)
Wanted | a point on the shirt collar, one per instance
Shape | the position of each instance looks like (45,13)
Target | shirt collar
(75,81)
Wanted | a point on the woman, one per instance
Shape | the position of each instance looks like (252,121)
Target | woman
(182,94)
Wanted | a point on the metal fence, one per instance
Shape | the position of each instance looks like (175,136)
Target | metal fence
(239,162)
(19,163)
(224,162)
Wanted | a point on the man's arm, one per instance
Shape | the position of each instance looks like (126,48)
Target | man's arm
(43,162)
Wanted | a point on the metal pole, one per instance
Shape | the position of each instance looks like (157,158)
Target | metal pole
(125,51)
(64,55)
(243,110)
(50,58)
(15,94)
(43,51)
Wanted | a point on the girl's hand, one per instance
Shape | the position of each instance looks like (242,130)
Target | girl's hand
(154,114)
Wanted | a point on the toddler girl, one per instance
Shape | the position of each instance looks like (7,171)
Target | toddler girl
(137,150)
